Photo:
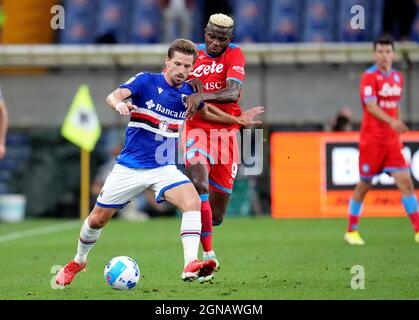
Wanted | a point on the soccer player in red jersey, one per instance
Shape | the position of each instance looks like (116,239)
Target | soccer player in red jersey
(380,145)
(210,147)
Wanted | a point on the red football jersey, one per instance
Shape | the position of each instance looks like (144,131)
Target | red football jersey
(214,73)
(386,90)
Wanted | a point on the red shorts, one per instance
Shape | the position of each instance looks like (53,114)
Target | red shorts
(218,149)
(375,159)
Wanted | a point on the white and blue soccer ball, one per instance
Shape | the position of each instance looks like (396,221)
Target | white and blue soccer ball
(122,273)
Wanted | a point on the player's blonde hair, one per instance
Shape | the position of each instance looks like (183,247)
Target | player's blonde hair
(221,20)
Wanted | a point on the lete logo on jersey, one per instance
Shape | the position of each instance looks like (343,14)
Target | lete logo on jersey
(206,69)
(388,90)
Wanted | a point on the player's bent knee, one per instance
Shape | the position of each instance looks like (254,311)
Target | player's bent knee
(99,217)
(192,203)
(96,222)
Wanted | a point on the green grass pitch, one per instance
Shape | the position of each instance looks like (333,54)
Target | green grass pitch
(261,258)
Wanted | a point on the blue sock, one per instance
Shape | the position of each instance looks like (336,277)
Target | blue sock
(410,203)
(354,207)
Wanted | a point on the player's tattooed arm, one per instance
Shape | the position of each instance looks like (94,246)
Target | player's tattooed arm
(229,94)
(398,125)
(214,114)
(116,101)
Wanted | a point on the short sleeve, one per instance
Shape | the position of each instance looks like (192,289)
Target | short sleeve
(368,88)
(136,83)
(236,66)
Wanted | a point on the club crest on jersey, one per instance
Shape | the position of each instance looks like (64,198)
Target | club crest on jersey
(365,168)
(163,125)
(184,100)
(396,78)
(160,90)
(150,104)
(190,142)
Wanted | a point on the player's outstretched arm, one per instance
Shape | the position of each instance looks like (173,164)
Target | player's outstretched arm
(377,112)
(115,101)
(214,114)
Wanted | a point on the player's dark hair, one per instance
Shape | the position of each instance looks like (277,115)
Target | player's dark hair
(183,46)
(384,40)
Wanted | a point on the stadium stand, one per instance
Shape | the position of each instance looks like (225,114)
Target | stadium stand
(145,22)
(281,21)
(319,24)
(80,21)
(377,23)
(112,23)
(285,21)
(346,32)
(249,27)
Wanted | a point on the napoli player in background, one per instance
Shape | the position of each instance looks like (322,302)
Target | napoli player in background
(380,146)
(212,159)
(157,112)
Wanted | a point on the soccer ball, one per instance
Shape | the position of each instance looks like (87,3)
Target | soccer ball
(122,273)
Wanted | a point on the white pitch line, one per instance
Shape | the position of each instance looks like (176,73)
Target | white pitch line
(39,231)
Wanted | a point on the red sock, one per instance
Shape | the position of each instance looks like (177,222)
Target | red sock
(206,230)
(353,223)
(414,219)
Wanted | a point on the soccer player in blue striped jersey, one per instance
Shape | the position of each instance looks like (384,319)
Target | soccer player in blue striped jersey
(147,161)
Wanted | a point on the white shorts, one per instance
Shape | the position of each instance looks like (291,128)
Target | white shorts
(123,184)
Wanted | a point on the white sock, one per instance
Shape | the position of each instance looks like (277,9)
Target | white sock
(88,237)
(190,233)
